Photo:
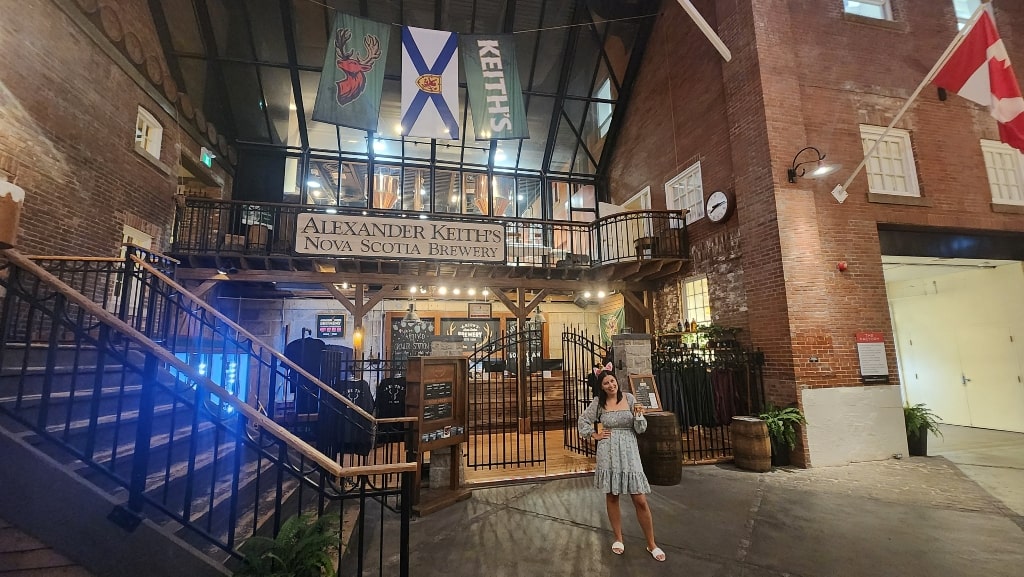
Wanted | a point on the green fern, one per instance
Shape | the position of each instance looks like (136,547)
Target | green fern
(920,418)
(781,423)
(303,547)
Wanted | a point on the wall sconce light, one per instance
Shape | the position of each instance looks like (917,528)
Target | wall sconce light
(797,169)
(357,338)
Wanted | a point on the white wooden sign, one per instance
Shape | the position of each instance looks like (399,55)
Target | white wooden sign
(402,238)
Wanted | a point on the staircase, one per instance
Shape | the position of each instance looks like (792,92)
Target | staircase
(144,427)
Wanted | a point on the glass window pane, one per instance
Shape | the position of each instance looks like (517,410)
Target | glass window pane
(503,196)
(447,191)
(245,102)
(416,189)
(387,187)
(528,198)
(277,86)
(475,187)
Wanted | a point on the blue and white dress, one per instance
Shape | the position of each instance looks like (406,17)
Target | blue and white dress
(619,469)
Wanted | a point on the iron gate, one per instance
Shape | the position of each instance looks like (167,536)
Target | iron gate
(580,355)
(506,402)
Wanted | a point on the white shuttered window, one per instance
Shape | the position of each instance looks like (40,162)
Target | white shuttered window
(890,167)
(1005,168)
(686,191)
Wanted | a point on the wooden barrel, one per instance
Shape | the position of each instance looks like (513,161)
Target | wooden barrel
(661,449)
(751,447)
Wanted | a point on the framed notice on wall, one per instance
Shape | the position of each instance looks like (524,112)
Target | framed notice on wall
(330,326)
(874,367)
(645,390)
(479,310)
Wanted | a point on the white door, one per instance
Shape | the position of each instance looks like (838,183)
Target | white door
(130,235)
(931,374)
(992,378)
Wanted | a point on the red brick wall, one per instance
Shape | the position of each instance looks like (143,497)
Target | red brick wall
(803,73)
(67,126)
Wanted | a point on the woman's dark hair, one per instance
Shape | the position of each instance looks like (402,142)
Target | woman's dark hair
(602,396)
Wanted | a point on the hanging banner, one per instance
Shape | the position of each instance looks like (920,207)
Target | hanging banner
(430,83)
(353,75)
(495,95)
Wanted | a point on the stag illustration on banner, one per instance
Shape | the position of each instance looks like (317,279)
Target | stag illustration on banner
(353,75)
(430,92)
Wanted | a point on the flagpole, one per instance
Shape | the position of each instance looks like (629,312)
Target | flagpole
(706,29)
(957,40)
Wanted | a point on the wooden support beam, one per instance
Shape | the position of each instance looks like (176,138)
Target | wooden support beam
(639,305)
(351,307)
(204,288)
(500,293)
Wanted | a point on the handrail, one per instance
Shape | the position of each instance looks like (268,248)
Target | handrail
(75,258)
(632,213)
(165,356)
(288,362)
(151,252)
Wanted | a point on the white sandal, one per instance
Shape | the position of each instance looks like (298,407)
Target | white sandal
(618,548)
(656,552)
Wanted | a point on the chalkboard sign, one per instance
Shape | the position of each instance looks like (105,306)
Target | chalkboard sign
(645,390)
(410,339)
(473,332)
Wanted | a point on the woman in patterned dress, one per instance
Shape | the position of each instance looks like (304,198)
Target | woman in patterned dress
(619,469)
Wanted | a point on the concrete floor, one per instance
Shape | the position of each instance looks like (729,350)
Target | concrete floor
(993,459)
(921,517)
(958,514)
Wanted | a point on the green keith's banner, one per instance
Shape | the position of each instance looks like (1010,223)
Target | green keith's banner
(353,75)
(495,96)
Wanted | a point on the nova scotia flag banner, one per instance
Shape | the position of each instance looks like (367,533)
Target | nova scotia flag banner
(430,83)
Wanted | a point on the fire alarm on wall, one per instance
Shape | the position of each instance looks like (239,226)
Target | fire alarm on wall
(841,266)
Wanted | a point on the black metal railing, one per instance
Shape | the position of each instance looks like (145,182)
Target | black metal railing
(642,235)
(241,228)
(706,388)
(179,409)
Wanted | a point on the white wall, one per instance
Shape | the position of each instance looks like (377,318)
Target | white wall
(967,322)
(851,424)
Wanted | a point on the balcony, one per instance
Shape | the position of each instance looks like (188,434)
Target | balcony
(244,236)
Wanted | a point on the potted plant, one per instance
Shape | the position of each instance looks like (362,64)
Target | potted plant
(920,420)
(781,423)
(303,547)
(719,337)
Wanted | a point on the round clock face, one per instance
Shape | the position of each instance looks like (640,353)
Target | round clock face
(719,206)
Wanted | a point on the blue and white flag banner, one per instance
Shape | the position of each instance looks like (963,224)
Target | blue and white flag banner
(430,83)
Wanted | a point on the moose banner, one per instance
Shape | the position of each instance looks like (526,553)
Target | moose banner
(353,73)
(495,94)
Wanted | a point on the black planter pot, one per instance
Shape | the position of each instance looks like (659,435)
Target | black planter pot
(918,444)
(780,453)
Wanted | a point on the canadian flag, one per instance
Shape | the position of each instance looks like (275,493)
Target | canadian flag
(979,70)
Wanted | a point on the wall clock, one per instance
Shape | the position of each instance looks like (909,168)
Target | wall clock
(719,206)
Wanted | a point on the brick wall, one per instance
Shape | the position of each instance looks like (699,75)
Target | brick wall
(803,73)
(67,126)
